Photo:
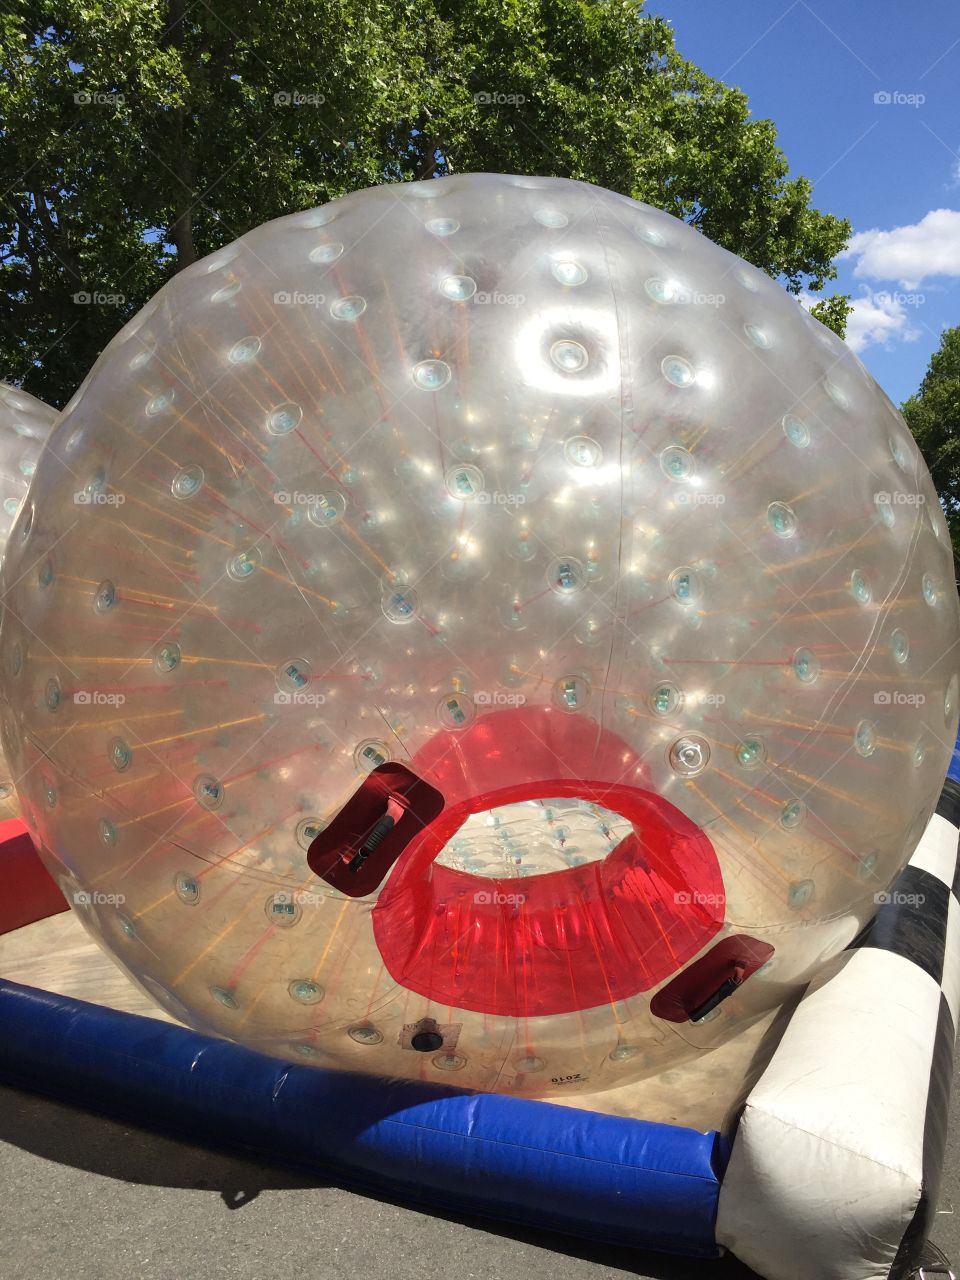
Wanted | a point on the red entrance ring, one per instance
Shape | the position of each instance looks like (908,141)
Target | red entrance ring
(563,941)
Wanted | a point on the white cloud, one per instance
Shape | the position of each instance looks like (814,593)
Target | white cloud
(911,254)
(881,318)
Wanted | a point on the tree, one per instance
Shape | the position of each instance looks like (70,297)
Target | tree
(933,415)
(142,134)
(833,312)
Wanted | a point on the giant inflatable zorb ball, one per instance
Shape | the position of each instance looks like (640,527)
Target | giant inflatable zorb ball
(479,630)
(25,423)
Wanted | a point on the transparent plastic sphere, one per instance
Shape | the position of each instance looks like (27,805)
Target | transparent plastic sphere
(25,424)
(536,494)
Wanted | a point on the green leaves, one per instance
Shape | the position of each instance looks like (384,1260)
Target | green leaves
(183,135)
(933,415)
(833,312)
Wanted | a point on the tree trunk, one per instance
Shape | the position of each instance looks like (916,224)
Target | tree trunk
(181,236)
(180,232)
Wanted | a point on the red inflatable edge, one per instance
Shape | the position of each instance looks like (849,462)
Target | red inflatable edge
(28,892)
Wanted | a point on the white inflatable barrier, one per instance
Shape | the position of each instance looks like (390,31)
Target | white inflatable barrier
(838,1151)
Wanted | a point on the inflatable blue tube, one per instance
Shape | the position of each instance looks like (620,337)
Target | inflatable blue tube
(629,1182)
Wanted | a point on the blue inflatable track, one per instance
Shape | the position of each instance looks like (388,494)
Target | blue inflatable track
(626,1182)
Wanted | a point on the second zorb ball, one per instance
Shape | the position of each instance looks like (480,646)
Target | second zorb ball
(25,423)
(478,631)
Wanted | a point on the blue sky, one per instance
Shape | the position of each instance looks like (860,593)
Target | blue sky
(891,164)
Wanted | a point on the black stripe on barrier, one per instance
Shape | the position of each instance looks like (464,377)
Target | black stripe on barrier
(948,805)
(934,1146)
(911,921)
